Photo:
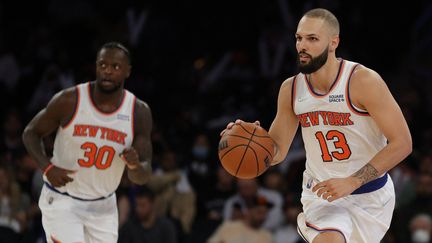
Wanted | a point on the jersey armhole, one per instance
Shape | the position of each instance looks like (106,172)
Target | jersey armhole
(293,92)
(77,98)
(134,104)
(351,106)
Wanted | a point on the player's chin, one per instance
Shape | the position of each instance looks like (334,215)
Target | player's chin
(304,63)
(108,86)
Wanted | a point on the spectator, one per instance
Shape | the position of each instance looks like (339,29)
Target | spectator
(421,228)
(200,170)
(249,229)
(248,189)
(215,198)
(11,142)
(175,196)
(146,225)
(287,233)
(12,205)
(421,204)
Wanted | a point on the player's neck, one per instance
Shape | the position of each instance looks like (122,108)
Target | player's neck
(107,102)
(323,79)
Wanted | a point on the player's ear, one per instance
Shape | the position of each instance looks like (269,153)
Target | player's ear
(128,72)
(334,43)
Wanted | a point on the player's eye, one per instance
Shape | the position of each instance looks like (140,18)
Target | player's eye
(313,38)
(102,65)
(298,38)
(116,67)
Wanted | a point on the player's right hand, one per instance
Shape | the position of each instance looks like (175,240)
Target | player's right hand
(231,124)
(59,177)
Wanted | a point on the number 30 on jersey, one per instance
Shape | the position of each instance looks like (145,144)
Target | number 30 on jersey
(100,157)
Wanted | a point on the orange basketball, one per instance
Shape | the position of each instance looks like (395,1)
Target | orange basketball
(246,150)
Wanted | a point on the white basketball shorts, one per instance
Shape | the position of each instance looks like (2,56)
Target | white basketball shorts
(68,220)
(360,218)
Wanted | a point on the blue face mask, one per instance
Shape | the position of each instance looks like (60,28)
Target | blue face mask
(200,152)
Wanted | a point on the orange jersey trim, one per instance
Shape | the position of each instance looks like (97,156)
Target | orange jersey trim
(325,229)
(133,118)
(316,95)
(348,100)
(54,239)
(293,93)
(76,109)
(97,109)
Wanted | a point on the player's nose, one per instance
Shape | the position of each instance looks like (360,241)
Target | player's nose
(108,70)
(301,45)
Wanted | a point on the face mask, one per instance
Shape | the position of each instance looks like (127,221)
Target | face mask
(200,152)
(420,236)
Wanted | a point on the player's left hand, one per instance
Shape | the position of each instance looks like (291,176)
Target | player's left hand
(336,188)
(130,157)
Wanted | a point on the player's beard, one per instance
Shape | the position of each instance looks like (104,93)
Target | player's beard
(115,87)
(314,64)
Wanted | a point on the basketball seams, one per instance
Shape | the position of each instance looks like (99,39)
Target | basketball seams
(256,160)
(246,129)
(241,160)
(226,152)
(255,128)
(234,154)
(253,142)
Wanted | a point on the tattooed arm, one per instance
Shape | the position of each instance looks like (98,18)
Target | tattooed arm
(369,92)
(366,173)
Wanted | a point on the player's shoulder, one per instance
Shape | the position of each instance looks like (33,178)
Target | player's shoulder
(142,113)
(141,106)
(364,84)
(62,105)
(66,97)
(287,84)
(364,77)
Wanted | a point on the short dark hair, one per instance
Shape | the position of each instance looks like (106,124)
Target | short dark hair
(116,45)
(143,191)
(326,15)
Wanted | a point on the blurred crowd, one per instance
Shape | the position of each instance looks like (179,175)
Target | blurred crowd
(200,65)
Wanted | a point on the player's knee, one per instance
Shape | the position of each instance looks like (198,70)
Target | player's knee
(329,236)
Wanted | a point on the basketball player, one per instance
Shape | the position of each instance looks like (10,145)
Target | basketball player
(353,131)
(101,129)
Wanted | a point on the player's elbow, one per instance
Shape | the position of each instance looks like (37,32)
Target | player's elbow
(405,147)
(408,146)
(26,135)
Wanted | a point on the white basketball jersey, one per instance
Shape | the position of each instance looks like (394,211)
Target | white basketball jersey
(339,138)
(91,143)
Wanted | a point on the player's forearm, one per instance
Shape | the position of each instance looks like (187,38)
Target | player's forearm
(390,156)
(141,174)
(35,147)
(279,155)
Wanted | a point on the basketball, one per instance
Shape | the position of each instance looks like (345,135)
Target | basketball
(246,150)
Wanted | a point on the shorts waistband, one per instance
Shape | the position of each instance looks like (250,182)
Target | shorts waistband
(77,198)
(372,185)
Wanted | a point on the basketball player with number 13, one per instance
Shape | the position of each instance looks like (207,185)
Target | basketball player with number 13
(354,133)
(101,129)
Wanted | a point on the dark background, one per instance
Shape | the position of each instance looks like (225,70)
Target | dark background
(174,59)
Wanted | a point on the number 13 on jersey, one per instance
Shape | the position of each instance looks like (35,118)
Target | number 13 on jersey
(342,151)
